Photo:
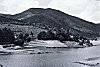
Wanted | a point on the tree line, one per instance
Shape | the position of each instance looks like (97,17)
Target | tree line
(63,35)
(6,36)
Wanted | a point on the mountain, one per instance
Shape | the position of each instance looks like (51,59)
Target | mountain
(6,20)
(55,18)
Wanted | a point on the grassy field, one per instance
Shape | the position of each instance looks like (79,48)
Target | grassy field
(23,28)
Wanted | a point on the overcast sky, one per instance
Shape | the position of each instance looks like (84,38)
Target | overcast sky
(86,9)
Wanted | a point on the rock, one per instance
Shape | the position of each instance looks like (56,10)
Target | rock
(88,64)
(94,61)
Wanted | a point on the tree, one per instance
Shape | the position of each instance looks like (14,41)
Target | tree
(19,41)
(31,33)
(42,36)
(20,36)
(50,35)
(6,36)
(25,37)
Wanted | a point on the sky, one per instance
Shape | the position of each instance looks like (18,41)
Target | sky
(85,9)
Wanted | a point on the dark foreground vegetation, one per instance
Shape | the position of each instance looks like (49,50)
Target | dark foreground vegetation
(63,35)
(7,37)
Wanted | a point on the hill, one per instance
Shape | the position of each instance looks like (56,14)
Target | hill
(55,18)
(8,20)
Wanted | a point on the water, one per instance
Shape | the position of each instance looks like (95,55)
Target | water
(61,58)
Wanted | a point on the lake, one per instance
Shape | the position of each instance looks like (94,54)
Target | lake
(63,57)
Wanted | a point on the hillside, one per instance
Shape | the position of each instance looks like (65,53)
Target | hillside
(55,18)
(6,20)
(17,25)
(23,29)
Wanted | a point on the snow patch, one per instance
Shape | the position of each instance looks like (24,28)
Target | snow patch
(94,61)
(48,43)
(95,42)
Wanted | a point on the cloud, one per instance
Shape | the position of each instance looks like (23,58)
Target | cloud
(44,3)
(1,6)
(16,6)
(70,6)
(92,12)
(85,9)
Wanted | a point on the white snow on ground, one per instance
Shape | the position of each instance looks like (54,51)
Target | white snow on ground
(1,48)
(72,44)
(47,43)
(55,43)
(3,51)
(95,42)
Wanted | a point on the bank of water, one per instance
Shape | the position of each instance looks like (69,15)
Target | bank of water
(62,57)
